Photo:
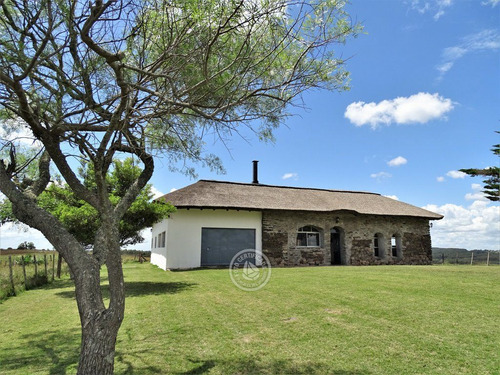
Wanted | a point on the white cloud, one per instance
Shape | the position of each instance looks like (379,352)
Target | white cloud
(172,190)
(396,162)
(288,176)
(474,227)
(156,193)
(477,194)
(485,40)
(380,175)
(395,197)
(443,68)
(493,3)
(440,179)
(12,235)
(419,108)
(456,174)
(438,7)
(438,15)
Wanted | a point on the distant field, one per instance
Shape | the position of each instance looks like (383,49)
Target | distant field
(325,320)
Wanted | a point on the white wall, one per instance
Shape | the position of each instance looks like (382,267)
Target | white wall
(158,254)
(183,243)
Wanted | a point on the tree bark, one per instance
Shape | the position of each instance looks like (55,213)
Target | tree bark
(97,352)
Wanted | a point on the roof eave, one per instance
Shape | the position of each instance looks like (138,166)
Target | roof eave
(238,208)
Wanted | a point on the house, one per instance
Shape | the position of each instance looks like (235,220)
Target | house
(292,226)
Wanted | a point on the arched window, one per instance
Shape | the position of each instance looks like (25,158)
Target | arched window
(378,245)
(376,248)
(396,246)
(308,236)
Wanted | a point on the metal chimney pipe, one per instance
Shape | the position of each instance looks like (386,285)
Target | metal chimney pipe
(255,172)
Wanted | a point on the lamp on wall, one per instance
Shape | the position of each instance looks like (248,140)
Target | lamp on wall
(337,219)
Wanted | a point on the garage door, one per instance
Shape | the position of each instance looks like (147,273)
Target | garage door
(219,245)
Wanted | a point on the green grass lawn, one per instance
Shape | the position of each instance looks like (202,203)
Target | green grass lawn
(327,320)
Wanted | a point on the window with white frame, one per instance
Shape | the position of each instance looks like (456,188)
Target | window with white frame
(308,236)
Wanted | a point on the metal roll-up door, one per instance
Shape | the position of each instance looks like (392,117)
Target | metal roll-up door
(219,245)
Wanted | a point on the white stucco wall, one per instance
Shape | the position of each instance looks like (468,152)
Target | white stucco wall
(183,228)
(159,254)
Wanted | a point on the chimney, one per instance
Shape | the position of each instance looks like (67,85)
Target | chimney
(255,172)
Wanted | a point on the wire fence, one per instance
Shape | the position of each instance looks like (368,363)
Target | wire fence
(28,271)
(473,257)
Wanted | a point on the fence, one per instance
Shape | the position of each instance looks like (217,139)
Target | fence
(23,272)
(473,257)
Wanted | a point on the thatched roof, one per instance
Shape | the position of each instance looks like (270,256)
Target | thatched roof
(232,195)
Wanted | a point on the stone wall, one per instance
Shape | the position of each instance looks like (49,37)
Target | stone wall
(279,233)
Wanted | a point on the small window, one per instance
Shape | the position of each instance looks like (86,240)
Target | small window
(308,236)
(156,241)
(379,245)
(396,246)
(376,248)
(161,239)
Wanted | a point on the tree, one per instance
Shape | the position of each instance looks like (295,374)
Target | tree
(26,246)
(99,80)
(82,220)
(492,182)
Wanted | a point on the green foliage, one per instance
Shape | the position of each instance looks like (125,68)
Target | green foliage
(82,220)
(232,63)
(492,182)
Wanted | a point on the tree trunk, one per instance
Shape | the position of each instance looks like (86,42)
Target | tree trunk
(98,345)
(100,325)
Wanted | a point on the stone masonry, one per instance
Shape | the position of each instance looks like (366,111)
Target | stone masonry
(279,238)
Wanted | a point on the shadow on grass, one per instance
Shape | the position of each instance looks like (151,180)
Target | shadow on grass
(249,366)
(44,351)
(141,288)
(56,353)
(241,366)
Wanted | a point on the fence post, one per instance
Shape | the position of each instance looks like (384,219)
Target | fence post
(471,257)
(59,264)
(53,261)
(488,259)
(36,266)
(11,275)
(24,274)
(45,264)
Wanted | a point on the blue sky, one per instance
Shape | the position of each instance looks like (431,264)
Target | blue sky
(424,102)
